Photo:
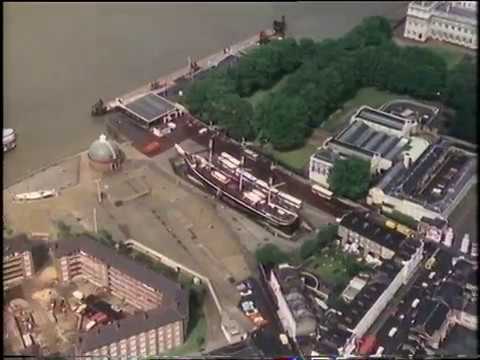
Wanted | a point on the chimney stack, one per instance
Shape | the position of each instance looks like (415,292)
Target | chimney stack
(145,315)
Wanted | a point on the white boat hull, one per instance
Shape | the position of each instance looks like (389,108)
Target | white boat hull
(36,195)
(9,139)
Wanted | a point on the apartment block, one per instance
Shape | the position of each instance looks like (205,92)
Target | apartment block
(161,321)
(17,261)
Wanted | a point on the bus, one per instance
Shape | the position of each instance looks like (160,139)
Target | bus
(322,192)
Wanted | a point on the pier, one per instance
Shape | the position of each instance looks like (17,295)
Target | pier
(203,64)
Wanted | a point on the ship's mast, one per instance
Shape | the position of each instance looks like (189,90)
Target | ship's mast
(242,163)
(210,151)
(270,185)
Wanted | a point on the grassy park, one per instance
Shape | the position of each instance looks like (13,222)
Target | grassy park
(334,267)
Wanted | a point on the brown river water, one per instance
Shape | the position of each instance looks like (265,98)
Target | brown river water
(61,58)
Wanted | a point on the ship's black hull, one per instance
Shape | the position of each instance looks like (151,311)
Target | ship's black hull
(235,202)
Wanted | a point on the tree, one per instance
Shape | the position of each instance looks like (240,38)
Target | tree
(235,114)
(271,254)
(325,237)
(282,120)
(350,178)
(460,93)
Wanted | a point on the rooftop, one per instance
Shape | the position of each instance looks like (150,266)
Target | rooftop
(366,225)
(16,244)
(379,117)
(368,295)
(293,290)
(149,107)
(325,154)
(440,165)
(445,8)
(126,327)
(359,135)
(436,318)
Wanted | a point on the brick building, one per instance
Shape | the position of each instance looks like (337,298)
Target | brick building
(17,261)
(160,324)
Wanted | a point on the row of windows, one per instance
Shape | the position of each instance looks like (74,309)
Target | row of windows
(451,37)
(319,168)
(454,27)
(444,25)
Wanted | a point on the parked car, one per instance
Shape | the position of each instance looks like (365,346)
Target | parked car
(246,292)
(252,311)
(247,305)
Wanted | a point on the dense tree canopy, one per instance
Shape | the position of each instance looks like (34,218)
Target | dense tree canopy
(271,254)
(350,178)
(461,94)
(282,121)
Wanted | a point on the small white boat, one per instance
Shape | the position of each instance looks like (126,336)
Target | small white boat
(36,195)
(9,139)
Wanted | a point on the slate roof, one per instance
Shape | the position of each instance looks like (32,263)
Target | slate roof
(363,224)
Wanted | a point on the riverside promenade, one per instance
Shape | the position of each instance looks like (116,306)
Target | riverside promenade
(204,63)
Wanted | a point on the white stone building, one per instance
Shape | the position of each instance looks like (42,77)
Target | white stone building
(450,21)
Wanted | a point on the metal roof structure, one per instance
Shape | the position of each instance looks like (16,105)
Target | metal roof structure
(149,108)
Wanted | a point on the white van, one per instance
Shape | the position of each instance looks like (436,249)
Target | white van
(415,303)
(392,332)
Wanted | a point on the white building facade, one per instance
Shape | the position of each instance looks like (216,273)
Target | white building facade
(454,22)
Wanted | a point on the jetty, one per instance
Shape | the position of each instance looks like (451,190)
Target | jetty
(165,82)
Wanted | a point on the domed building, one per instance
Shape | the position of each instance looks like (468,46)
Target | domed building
(105,155)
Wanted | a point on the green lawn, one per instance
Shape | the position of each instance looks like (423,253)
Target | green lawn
(331,266)
(297,159)
(365,96)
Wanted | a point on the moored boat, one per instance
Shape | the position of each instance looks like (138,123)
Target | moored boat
(36,195)
(9,139)
(225,176)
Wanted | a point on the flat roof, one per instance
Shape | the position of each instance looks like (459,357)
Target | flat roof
(149,107)
(379,117)
(325,155)
(365,138)
(16,244)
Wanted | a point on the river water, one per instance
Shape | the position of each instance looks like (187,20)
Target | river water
(61,58)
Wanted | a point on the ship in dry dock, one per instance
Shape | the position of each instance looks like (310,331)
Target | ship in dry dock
(227,177)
